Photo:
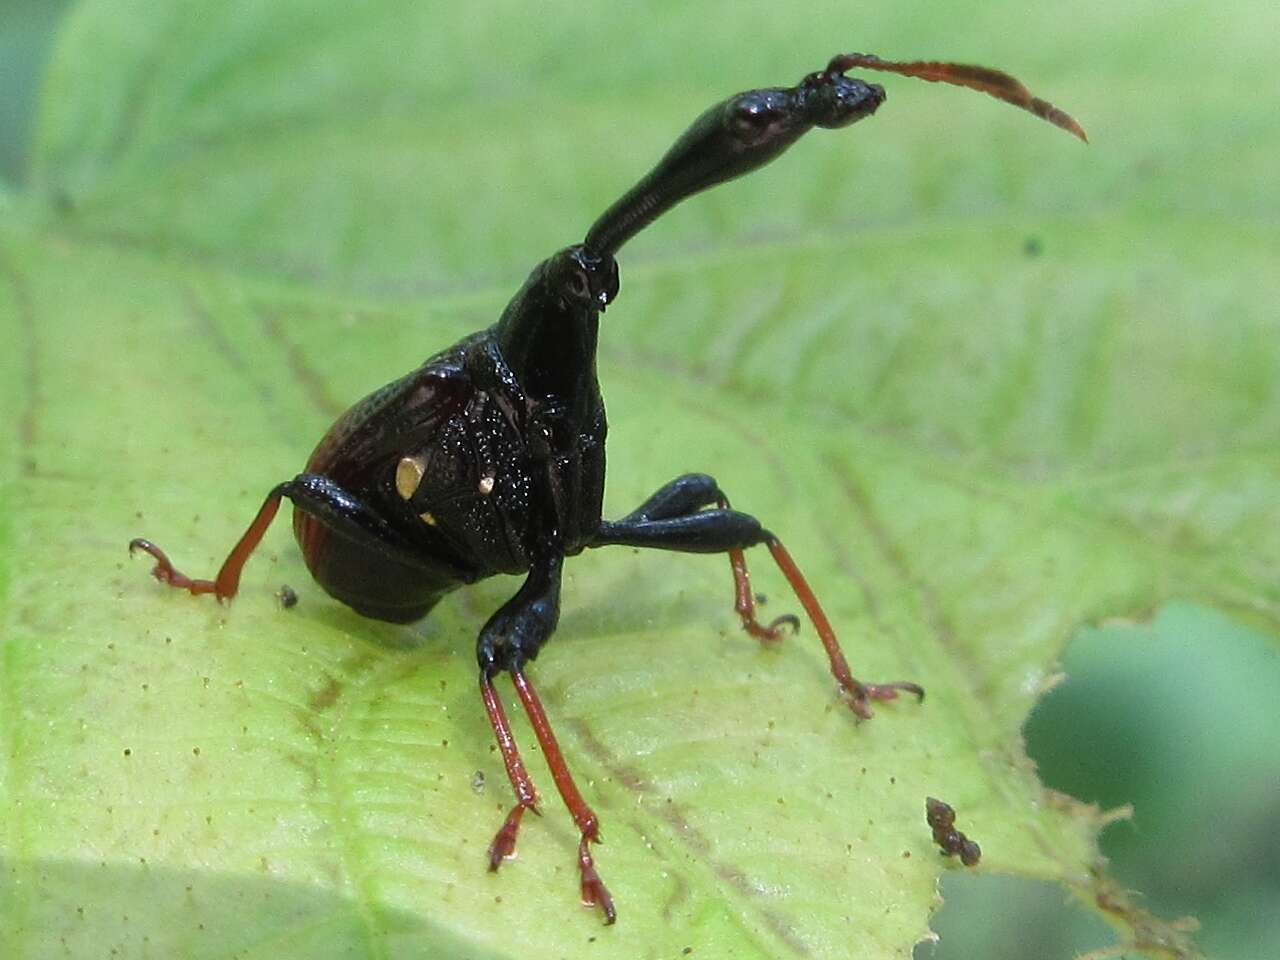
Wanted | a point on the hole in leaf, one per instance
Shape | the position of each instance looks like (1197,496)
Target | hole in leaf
(1009,918)
(1179,718)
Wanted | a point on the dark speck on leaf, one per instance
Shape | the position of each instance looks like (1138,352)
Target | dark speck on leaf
(1032,247)
(287,596)
(941,818)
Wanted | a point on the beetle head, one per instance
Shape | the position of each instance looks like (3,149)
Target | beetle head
(832,100)
(547,334)
(580,280)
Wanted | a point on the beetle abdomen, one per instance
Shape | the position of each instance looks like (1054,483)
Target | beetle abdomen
(373,582)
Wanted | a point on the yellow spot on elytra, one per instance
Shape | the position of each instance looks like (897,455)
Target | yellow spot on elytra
(409,473)
(428,518)
(486,486)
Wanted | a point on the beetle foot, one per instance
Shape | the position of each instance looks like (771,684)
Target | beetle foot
(771,632)
(594,892)
(860,694)
(503,846)
(165,572)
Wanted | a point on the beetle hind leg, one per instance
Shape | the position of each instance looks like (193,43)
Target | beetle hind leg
(387,579)
(226,584)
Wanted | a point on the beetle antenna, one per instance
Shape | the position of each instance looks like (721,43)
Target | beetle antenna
(747,131)
(996,83)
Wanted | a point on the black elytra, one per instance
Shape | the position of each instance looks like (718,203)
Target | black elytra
(490,457)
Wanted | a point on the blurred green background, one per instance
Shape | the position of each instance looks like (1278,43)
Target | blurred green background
(1176,716)
(26,35)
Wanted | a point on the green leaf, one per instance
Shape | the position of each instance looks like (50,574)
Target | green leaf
(988,385)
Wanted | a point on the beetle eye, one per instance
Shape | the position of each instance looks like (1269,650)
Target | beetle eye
(752,120)
(578,285)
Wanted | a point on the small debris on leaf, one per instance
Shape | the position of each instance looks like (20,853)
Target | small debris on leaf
(942,818)
(287,596)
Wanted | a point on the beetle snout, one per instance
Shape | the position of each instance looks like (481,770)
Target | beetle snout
(839,100)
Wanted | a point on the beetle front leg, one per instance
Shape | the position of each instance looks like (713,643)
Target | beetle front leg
(722,530)
(594,892)
(512,637)
(503,845)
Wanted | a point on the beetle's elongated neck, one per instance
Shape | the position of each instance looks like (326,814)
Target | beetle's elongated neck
(701,158)
(732,138)
(550,344)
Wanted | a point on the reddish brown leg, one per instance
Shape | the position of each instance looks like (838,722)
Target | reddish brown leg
(745,601)
(227,582)
(594,892)
(858,693)
(672,519)
(503,846)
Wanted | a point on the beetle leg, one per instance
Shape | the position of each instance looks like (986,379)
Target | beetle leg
(503,846)
(688,494)
(707,531)
(744,604)
(594,892)
(858,692)
(512,637)
(744,600)
(516,632)
(682,496)
(227,583)
(727,531)
(311,493)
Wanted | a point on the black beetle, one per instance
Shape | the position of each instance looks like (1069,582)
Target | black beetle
(489,458)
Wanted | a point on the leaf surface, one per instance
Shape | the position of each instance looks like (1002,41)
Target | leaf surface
(987,384)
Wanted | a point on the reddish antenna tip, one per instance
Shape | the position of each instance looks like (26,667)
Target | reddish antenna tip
(995,83)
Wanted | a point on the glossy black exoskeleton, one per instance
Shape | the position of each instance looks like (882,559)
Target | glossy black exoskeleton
(489,458)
